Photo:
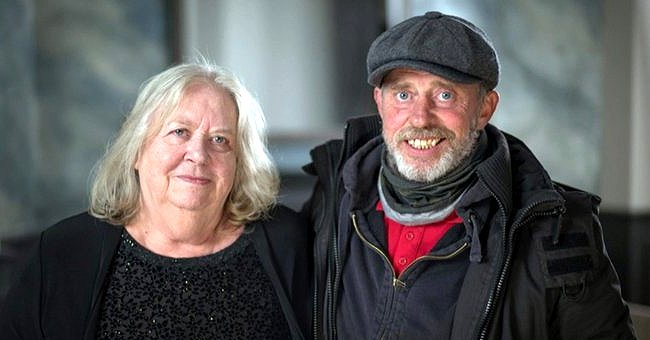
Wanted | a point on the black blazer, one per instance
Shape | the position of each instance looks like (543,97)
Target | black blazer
(60,292)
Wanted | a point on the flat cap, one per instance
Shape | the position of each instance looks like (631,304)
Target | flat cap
(444,45)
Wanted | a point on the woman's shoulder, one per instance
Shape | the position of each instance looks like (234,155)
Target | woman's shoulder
(82,224)
(79,232)
(283,223)
(281,212)
(281,215)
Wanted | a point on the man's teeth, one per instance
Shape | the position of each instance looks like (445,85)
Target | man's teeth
(422,144)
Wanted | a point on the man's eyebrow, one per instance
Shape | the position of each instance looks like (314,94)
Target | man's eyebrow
(398,85)
(404,84)
(443,82)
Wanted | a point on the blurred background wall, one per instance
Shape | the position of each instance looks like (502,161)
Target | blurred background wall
(574,86)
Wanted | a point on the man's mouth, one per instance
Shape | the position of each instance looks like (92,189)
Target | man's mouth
(423,144)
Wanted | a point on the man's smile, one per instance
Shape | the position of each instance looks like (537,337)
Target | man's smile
(423,144)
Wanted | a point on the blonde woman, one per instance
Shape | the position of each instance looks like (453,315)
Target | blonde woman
(183,239)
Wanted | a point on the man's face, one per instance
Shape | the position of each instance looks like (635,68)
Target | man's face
(430,124)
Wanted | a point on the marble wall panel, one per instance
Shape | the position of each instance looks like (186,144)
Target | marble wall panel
(69,72)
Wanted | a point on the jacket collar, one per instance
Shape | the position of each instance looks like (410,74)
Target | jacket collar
(514,176)
(360,174)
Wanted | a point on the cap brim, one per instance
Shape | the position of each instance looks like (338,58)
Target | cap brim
(376,76)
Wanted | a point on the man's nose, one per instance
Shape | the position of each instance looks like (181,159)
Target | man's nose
(423,114)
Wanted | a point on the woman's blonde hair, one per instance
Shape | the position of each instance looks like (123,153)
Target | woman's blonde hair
(115,190)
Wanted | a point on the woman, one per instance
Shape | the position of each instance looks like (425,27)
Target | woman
(181,239)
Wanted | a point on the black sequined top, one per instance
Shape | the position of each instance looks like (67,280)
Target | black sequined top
(226,295)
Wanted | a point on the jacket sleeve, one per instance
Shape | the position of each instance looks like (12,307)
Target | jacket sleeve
(20,311)
(282,243)
(593,309)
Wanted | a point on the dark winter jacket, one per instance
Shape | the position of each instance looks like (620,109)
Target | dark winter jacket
(529,262)
(60,294)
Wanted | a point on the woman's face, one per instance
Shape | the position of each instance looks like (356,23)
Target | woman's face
(190,163)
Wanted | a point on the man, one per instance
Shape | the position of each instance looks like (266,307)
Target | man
(433,224)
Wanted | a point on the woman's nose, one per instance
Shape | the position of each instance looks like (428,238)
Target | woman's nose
(197,149)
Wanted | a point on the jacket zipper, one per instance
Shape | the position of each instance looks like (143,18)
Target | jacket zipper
(315,302)
(453,254)
(396,282)
(327,309)
(508,243)
(332,289)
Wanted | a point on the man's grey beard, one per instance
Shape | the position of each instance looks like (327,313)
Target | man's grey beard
(460,151)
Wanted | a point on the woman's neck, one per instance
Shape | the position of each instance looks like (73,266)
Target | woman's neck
(183,233)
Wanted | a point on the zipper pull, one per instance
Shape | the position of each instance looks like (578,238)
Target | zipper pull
(475,253)
(398,284)
(558,228)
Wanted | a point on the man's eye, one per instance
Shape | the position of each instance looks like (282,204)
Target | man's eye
(403,95)
(218,139)
(446,95)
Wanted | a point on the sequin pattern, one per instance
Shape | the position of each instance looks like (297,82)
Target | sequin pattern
(226,295)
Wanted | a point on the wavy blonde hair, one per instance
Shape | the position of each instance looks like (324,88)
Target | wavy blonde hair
(115,190)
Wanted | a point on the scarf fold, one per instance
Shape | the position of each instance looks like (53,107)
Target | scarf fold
(417,203)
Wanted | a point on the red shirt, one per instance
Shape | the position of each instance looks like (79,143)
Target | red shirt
(407,243)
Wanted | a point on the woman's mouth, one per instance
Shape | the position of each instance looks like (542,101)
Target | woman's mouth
(195,180)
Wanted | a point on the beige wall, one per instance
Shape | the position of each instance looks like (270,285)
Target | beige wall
(281,49)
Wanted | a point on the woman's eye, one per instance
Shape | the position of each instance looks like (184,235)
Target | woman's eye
(403,95)
(179,132)
(221,144)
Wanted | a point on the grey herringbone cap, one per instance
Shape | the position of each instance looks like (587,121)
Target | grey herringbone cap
(441,44)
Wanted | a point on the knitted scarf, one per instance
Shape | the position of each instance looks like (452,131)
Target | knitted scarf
(417,203)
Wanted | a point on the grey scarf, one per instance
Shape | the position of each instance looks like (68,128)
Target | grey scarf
(416,203)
